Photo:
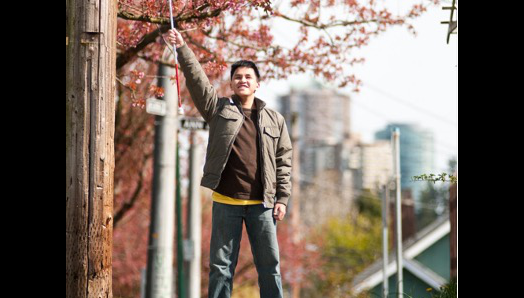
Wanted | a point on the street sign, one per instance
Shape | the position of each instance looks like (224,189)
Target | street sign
(193,124)
(156,107)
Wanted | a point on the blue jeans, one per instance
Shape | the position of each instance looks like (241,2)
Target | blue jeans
(225,246)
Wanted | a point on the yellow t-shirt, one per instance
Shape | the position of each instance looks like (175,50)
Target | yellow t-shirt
(231,201)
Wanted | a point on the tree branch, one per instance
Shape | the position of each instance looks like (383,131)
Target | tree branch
(119,215)
(202,47)
(325,26)
(143,18)
(131,53)
(126,15)
(236,44)
(150,38)
(243,46)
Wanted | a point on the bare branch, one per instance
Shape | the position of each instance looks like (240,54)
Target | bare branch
(325,26)
(237,44)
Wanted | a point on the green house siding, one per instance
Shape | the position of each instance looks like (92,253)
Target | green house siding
(437,257)
(413,287)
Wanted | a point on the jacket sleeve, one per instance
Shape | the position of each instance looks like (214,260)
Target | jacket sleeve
(202,92)
(284,159)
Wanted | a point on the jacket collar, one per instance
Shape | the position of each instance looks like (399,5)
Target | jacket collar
(259,103)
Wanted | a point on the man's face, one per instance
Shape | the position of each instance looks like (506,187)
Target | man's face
(244,82)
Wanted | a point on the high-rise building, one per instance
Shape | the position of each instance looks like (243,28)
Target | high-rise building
(372,165)
(417,154)
(323,140)
(323,117)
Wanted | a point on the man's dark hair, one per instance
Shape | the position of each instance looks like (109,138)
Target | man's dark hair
(245,63)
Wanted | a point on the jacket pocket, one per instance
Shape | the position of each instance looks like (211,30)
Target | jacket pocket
(228,122)
(271,137)
(273,132)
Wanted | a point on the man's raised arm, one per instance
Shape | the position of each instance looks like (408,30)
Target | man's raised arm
(203,93)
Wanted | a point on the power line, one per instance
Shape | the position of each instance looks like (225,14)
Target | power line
(410,104)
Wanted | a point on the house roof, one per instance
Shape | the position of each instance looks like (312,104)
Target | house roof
(413,247)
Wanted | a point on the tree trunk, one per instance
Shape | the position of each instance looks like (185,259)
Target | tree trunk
(90,109)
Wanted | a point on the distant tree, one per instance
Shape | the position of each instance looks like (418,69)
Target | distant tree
(349,245)
(369,205)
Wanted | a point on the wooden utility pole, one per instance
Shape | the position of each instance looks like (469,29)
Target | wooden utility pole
(90,124)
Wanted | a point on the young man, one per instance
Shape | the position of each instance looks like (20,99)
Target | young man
(248,166)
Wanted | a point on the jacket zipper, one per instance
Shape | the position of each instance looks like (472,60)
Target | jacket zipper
(261,158)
